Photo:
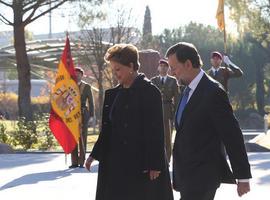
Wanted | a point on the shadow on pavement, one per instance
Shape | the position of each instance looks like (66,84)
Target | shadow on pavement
(42,176)
(16,160)
(263,164)
(94,169)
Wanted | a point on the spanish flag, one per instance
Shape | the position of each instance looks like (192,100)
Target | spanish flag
(220,15)
(65,116)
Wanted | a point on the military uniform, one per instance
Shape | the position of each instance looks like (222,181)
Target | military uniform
(87,110)
(223,74)
(170,94)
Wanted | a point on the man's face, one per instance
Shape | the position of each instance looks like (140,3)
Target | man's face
(79,76)
(163,69)
(216,61)
(178,69)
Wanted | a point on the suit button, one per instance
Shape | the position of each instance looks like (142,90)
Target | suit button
(124,142)
(126,106)
(125,125)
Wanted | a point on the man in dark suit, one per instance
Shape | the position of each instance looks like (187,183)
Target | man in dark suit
(169,89)
(87,110)
(223,74)
(204,121)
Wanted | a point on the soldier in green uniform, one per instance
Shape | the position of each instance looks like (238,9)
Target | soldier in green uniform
(170,91)
(87,110)
(223,74)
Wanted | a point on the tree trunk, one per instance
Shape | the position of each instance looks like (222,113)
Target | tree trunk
(260,89)
(23,68)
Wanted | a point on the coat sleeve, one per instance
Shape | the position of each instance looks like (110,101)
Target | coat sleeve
(153,129)
(230,133)
(99,147)
(234,71)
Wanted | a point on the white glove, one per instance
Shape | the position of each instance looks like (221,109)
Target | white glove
(226,60)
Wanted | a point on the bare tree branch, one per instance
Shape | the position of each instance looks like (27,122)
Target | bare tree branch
(29,19)
(5,20)
(31,5)
(6,4)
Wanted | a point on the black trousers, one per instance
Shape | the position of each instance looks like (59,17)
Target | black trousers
(198,195)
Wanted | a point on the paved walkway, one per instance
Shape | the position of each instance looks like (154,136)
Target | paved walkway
(45,176)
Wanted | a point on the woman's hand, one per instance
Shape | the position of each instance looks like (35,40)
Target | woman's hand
(88,163)
(153,174)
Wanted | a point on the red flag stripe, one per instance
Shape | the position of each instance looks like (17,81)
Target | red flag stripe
(61,133)
(67,60)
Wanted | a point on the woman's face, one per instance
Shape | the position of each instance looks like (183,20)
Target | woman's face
(122,73)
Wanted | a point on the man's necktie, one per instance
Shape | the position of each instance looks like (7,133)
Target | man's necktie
(215,73)
(182,104)
(162,81)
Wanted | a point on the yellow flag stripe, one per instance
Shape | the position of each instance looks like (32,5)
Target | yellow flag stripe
(220,15)
(65,101)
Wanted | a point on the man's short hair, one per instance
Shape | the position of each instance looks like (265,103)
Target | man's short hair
(186,51)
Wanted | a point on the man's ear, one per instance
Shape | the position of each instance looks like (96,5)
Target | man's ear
(131,66)
(188,64)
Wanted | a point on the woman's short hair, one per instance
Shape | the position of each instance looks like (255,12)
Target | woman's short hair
(186,51)
(123,54)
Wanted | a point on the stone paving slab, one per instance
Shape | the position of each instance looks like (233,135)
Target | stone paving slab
(46,176)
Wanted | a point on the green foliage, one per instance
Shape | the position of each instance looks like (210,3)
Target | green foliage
(25,133)
(46,138)
(3,134)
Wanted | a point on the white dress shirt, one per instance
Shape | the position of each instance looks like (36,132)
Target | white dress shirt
(194,83)
(164,78)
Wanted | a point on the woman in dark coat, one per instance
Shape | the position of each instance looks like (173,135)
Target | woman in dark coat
(130,147)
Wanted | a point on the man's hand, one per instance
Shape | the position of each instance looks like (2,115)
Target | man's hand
(88,163)
(243,188)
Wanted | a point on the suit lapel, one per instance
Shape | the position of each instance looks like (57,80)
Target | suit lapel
(167,82)
(158,81)
(211,73)
(194,100)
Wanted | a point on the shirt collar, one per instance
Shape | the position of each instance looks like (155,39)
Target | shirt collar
(215,69)
(194,83)
(165,77)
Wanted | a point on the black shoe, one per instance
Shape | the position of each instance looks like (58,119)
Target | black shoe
(72,166)
(81,166)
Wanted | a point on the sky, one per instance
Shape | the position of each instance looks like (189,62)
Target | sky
(164,13)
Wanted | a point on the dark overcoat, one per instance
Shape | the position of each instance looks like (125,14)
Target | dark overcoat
(132,142)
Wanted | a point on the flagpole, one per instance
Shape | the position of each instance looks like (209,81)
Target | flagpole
(224,33)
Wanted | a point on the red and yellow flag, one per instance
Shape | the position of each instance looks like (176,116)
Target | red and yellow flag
(220,15)
(65,117)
